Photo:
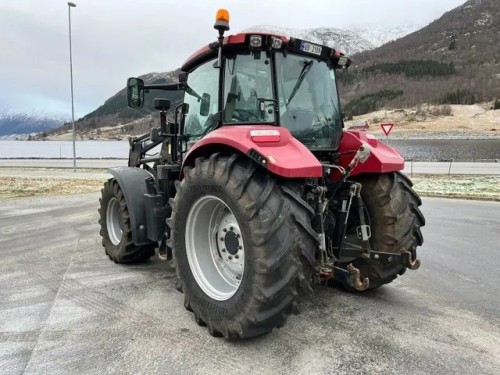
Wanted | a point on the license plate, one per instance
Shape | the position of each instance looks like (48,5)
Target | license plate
(310,48)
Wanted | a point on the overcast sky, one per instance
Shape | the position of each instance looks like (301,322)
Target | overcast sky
(115,39)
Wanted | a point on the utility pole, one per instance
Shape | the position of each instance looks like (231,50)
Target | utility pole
(72,5)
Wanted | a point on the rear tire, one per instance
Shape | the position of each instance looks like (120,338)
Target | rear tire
(276,240)
(115,227)
(395,217)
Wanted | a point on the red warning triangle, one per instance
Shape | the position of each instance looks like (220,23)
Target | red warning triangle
(386,128)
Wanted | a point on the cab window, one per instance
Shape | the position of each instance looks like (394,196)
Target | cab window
(248,90)
(202,98)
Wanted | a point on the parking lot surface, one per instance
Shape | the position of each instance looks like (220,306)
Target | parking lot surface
(66,309)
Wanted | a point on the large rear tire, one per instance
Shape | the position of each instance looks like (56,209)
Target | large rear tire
(115,227)
(242,245)
(395,218)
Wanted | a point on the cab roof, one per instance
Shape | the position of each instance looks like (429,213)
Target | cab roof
(241,41)
(210,50)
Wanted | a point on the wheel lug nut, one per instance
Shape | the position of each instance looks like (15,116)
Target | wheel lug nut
(229,257)
(236,257)
(225,230)
(231,228)
(237,236)
(240,247)
(223,250)
(222,238)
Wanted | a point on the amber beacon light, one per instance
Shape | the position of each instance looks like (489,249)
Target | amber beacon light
(222,20)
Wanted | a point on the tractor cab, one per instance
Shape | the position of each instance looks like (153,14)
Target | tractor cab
(261,79)
(266,79)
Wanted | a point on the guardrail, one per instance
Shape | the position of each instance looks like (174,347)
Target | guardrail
(448,166)
(451,166)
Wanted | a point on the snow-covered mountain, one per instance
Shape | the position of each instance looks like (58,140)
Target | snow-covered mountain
(23,123)
(343,40)
(381,34)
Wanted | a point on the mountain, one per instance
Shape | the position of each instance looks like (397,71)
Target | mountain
(13,124)
(115,111)
(453,60)
(382,34)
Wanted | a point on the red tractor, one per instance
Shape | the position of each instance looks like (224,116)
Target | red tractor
(257,192)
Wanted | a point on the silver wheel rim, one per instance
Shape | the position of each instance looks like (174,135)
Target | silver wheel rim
(214,247)
(113,216)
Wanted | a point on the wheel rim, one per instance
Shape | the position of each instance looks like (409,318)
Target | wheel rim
(214,247)
(113,216)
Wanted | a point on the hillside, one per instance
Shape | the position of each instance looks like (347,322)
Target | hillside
(453,60)
(115,112)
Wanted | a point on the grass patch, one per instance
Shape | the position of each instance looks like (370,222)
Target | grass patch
(14,187)
(458,186)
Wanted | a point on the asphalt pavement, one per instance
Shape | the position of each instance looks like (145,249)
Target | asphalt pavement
(426,167)
(66,309)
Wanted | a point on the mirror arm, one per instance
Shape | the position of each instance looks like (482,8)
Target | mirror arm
(166,87)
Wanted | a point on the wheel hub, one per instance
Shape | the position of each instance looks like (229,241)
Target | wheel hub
(231,242)
(218,268)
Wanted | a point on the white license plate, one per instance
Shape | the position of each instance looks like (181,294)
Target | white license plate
(310,48)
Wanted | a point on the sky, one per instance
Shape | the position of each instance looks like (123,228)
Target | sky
(116,39)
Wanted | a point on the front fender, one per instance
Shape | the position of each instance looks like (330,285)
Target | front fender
(382,158)
(133,184)
(286,157)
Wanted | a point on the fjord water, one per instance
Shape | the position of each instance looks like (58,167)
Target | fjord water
(416,149)
(64,149)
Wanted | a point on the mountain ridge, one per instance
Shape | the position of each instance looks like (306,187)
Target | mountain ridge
(19,124)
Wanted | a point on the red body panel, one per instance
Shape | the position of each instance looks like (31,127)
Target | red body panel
(287,157)
(382,159)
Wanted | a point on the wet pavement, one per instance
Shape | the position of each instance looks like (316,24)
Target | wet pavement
(66,309)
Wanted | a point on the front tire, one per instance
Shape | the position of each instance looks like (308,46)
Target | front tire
(240,240)
(116,231)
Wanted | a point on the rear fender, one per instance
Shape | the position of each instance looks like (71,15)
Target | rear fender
(284,156)
(145,207)
(382,159)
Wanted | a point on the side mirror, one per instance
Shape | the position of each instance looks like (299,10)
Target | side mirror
(205,104)
(135,92)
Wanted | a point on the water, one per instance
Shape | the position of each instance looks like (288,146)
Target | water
(441,149)
(416,149)
(64,149)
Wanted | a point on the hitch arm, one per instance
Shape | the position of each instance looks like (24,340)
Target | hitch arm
(411,263)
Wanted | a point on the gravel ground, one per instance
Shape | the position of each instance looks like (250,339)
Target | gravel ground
(33,182)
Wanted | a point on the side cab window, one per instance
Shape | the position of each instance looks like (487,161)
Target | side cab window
(202,99)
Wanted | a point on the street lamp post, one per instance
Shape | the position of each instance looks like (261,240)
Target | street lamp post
(72,5)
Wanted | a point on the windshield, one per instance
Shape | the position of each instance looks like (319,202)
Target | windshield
(248,90)
(308,101)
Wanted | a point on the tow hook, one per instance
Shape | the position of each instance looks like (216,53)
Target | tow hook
(410,263)
(357,283)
